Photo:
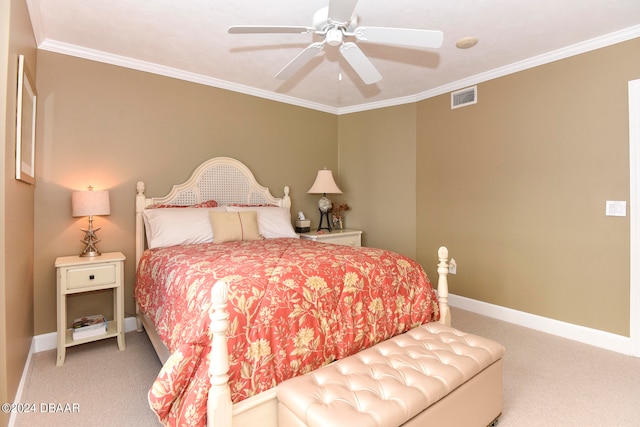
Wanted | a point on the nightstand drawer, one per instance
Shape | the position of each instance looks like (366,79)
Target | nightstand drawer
(91,276)
(336,237)
(343,240)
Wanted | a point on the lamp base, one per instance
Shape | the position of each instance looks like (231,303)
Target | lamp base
(90,249)
(324,215)
(90,253)
(90,240)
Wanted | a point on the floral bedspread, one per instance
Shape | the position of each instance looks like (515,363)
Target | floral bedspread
(294,306)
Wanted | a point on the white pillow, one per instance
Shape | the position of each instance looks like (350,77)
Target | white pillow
(273,221)
(178,226)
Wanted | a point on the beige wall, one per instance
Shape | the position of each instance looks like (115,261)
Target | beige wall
(16,209)
(378,169)
(110,127)
(516,187)
(512,184)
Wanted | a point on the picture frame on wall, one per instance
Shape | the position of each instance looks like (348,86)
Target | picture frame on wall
(25,125)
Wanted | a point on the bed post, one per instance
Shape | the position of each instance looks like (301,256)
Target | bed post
(140,205)
(443,286)
(219,400)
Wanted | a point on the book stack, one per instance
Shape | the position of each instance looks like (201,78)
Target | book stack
(89,326)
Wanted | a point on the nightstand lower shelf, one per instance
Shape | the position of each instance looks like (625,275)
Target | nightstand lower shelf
(112,331)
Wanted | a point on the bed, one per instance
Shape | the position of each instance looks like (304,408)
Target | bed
(224,349)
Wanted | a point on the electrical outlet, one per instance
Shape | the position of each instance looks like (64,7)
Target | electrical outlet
(452,266)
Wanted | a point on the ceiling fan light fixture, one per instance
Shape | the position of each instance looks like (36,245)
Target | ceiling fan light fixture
(466,42)
(334,37)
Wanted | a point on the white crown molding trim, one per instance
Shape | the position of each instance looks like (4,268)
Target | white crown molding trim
(378,104)
(149,67)
(594,337)
(546,58)
(122,61)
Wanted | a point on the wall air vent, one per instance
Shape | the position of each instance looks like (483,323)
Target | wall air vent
(464,97)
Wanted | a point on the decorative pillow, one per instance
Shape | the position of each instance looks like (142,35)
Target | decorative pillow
(207,204)
(177,226)
(234,226)
(273,221)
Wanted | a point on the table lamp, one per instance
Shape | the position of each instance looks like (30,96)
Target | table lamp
(324,184)
(90,203)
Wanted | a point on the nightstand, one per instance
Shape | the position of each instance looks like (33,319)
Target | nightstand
(77,274)
(337,237)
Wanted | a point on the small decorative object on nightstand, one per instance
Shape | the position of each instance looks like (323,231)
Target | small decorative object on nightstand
(338,215)
(337,237)
(90,203)
(324,184)
(76,274)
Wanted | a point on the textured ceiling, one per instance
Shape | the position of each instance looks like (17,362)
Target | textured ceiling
(188,39)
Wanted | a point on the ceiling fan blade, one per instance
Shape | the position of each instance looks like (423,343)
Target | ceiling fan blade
(360,63)
(299,61)
(275,29)
(400,36)
(341,11)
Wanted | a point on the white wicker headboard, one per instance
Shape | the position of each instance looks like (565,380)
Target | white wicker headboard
(223,179)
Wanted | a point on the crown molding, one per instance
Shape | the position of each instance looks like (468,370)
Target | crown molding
(546,58)
(149,67)
(122,61)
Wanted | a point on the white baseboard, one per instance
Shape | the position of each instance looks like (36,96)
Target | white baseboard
(49,341)
(594,337)
(23,381)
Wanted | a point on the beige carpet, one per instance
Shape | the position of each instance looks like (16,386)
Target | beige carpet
(548,381)
(554,382)
(107,385)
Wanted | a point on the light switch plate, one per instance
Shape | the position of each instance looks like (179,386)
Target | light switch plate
(616,208)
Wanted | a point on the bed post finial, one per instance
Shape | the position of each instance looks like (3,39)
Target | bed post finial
(443,286)
(286,200)
(219,400)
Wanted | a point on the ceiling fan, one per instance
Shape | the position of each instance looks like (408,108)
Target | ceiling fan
(337,22)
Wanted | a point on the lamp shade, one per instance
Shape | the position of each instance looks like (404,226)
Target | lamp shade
(89,203)
(324,184)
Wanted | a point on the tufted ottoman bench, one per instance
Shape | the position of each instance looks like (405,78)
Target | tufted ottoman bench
(432,375)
